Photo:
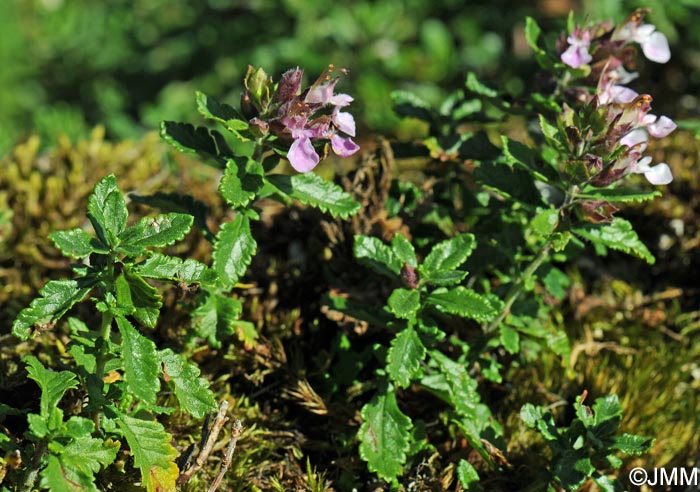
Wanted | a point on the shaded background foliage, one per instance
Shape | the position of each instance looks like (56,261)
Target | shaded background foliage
(68,65)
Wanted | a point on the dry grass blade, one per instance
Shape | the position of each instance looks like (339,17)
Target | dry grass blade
(307,397)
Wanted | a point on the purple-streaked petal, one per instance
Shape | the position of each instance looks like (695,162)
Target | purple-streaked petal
(622,94)
(634,138)
(322,93)
(659,174)
(661,127)
(344,147)
(655,48)
(344,122)
(575,56)
(341,100)
(302,155)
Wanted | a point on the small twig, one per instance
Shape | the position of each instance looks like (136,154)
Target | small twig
(204,453)
(236,431)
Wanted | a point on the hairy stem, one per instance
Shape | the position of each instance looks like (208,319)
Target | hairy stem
(32,473)
(103,342)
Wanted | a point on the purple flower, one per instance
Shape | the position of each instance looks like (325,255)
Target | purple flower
(302,155)
(577,53)
(306,116)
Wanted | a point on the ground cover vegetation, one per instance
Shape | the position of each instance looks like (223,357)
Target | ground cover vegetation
(475,300)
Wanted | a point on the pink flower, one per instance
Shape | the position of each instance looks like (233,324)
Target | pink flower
(654,44)
(577,53)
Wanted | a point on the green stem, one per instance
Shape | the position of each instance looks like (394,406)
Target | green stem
(517,288)
(32,473)
(103,344)
(259,149)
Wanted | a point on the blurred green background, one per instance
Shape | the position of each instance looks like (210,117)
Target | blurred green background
(68,65)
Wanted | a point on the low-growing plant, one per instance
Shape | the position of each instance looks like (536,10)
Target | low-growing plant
(471,291)
(587,447)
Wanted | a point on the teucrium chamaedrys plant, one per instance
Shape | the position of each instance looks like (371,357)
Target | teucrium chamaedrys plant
(118,371)
(531,207)
(274,120)
(589,444)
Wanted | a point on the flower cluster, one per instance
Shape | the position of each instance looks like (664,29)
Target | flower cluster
(604,56)
(301,119)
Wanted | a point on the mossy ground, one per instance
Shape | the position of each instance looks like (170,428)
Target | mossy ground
(631,326)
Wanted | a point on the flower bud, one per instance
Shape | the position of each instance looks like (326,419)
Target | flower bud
(409,275)
(289,85)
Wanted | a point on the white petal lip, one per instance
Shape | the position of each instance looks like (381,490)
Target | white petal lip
(635,137)
(659,174)
(661,127)
(345,123)
(655,48)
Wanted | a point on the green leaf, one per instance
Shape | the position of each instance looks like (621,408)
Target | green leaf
(510,339)
(53,384)
(141,366)
(476,86)
(619,195)
(445,277)
(461,391)
(157,232)
(618,235)
(57,297)
(214,319)
(76,243)
(234,249)
(408,105)
(228,116)
(163,267)
(467,475)
(463,302)
(196,140)
(60,477)
(532,34)
(372,252)
(122,292)
(242,180)
(72,467)
(508,181)
(311,189)
(449,254)
(176,202)
(537,418)
(550,132)
(403,250)
(192,391)
(153,454)
(632,444)
(405,356)
(107,211)
(384,435)
(544,223)
(404,303)
(247,333)
(145,298)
